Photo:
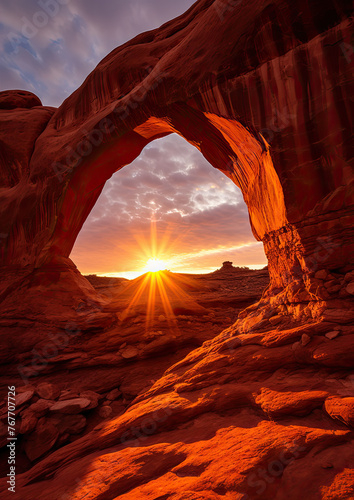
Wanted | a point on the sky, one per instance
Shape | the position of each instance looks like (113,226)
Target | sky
(49,47)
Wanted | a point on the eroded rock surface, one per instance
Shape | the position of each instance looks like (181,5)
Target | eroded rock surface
(267,103)
(263,409)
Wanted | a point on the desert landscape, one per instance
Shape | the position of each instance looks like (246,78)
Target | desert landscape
(124,360)
(234,384)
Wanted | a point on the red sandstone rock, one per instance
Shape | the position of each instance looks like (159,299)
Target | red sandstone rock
(202,430)
(333,334)
(70,406)
(23,397)
(3,435)
(92,396)
(41,407)
(41,440)
(12,99)
(47,391)
(105,411)
(129,352)
(276,404)
(68,394)
(28,422)
(217,99)
(341,409)
(70,424)
(114,394)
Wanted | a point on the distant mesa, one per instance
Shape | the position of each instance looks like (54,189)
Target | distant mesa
(228,267)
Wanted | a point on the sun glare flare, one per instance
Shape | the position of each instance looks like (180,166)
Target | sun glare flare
(154,265)
(159,291)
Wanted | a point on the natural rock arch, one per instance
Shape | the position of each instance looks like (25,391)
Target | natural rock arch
(225,143)
(274,389)
(225,97)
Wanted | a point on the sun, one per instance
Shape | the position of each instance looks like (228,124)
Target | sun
(154,265)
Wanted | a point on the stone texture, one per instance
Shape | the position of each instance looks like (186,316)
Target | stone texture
(68,424)
(23,397)
(13,99)
(341,409)
(28,422)
(71,406)
(339,315)
(322,274)
(305,339)
(267,103)
(105,411)
(114,394)
(129,352)
(41,407)
(47,391)
(276,404)
(92,396)
(68,394)
(41,440)
(3,435)
(333,334)
(213,420)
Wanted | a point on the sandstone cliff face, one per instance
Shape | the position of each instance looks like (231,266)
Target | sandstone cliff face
(264,409)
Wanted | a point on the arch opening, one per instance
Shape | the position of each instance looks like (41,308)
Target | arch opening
(171,220)
(168,205)
(242,155)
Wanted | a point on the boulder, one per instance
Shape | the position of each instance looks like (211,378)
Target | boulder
(68,394)
(105,411)
(41,440)
(71,406)
(41,407)
(23,397)
(321,275)
(305,339)
(29,421)
(94,397)
(333,334)
(129,352)
(46,390)
(341,409)
(113,394)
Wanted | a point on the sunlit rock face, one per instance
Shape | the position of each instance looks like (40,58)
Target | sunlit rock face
(265,409)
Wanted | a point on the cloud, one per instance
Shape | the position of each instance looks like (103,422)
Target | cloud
(49,47)
(201,218)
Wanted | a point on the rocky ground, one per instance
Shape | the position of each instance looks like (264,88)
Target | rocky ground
(210,402)
(95,374)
